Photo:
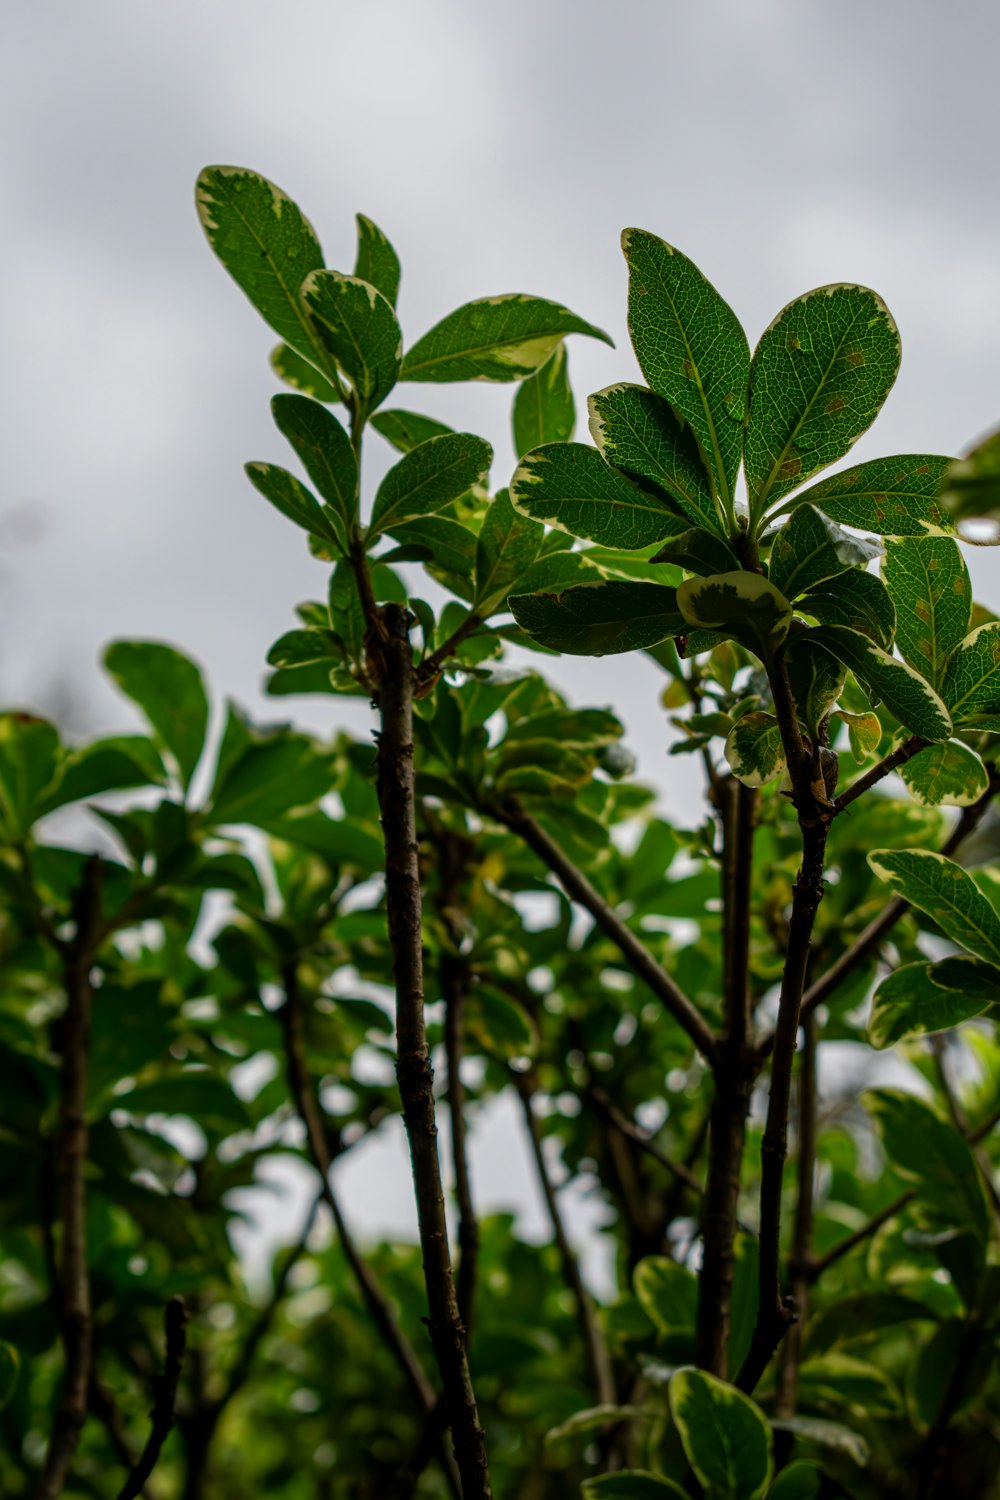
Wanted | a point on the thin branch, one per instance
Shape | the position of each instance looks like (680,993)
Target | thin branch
(852,1241)
(431,666)
(175,1327)
(775,1314)
(889,763)
(307,1107)
(870,939)
(735,1070)
(604,1106)
(788,1379)
(454,986)
(961,1124)
(874,1224)
(242,1370)
(595,1348)
(74,1281)
(414,1073)
(577,886)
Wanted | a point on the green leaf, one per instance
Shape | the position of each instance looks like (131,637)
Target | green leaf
(946,775)
(945,1356)
(934,1158)
(428,478)
(358,327)
(593,1418)
(336,840)
(746,1301)
(816,679)
(864,733)
(641,436)
(691,349)
(326,454)
(269,779)
(126,760)
(569,486)
(838,1379)
(743,605)
(858,600)
(931,589)
(802,1481)
(448,546)
(946,892)
(199,1094)
(302,376)
(832,1435)
(698,552)
(498,1025)
(631,1484)
(29,756)
(296,647)
(887,680)
(268,247)
(863,1315)
(552,572)
(496,338)
(10,1365)
(972,483)
(377,262)
(725,1436)
(407,429)
(599,619)
(916,1000)
(809,549)
(508,544)
(668,1292)
(544,410)
(754,749)
(818,380)
(168,687)
(294,500)
(582,727)
(893,496)
(971,681)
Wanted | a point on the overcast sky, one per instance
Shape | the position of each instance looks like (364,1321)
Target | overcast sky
(782,144)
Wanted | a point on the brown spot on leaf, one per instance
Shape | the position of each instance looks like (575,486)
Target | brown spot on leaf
(790,468)
(688,370)
(922,609)
(834,404)
(792,342)
(854,358)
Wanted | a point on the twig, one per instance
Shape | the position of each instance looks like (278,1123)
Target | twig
(666,990)
(788,1380)
(308,1109)
(431,666)
(874,1224)
(454,984)
(868,941)
(175,1327)
(735,1069)
(599,1099)
(74,1281)
(595,1348)
(774,1314)
(898,757)
(414,1073)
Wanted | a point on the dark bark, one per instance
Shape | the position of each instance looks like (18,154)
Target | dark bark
(414,1073)
(891,762)
(735,1069)
(595,1348)
(454,985)
(71,1156)
(643,963)
(175,1329)
(788,1378)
